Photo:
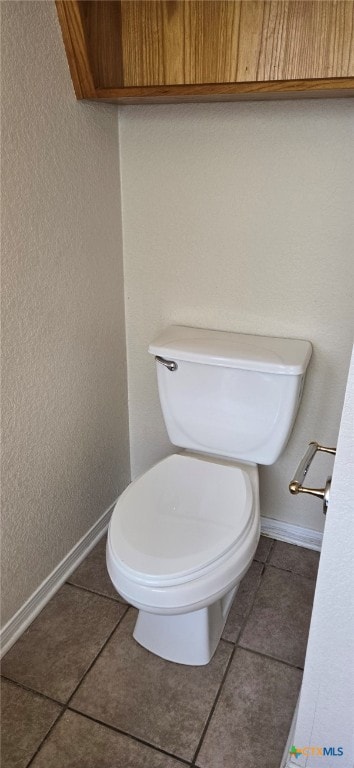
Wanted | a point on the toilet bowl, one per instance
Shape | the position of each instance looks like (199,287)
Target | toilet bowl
(180,540)
(183,535)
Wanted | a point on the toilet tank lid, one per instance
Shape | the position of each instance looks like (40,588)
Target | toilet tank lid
(233,350)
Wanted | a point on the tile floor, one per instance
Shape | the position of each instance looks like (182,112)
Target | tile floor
(79,692)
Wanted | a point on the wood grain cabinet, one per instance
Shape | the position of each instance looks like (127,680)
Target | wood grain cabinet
(132,51)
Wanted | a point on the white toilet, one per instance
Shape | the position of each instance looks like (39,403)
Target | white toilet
(183,535)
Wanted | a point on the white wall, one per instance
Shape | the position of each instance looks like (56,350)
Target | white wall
(326,706)
(65,448)
(240,217)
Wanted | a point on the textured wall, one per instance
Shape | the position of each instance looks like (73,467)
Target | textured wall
(240,217)
(65,446)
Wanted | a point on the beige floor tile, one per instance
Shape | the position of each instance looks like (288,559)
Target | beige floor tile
(250,725)
(297,559)
(279,621)
(57,649)
(263,549)
(163,703)
(26,718)
(243,601)
(77,742)
(92,573)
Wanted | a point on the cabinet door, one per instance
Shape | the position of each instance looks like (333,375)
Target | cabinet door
(165,49)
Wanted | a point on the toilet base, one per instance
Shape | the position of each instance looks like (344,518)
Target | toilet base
(186,638)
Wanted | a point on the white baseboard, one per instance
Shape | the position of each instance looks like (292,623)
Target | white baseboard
(32,607)
(293,534)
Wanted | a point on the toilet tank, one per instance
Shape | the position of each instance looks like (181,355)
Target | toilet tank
(230,394)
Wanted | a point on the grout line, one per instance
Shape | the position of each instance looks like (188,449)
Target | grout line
(213,707)
(94,592)
(285,570)
(280,567)
(250,609)
(247,614)
(265,566)
(228,642)
(257,653)
(128,735)
(245,619)
(51,698)
(294,573)
(32,690)
(46,736)
(270,552)
(237,645)
(273,658)
(66,705)
(97,655)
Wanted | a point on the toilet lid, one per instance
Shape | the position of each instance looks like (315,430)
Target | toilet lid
(179,517)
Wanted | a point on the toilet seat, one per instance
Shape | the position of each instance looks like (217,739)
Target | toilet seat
(184,519)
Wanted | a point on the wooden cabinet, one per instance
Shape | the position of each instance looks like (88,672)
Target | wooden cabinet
(134,51)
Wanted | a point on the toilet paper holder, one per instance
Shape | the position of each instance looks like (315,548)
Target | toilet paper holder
(296,486)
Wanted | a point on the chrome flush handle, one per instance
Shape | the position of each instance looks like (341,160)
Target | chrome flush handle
(170,364)
(296,484)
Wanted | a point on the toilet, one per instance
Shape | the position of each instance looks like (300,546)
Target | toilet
(183,535)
